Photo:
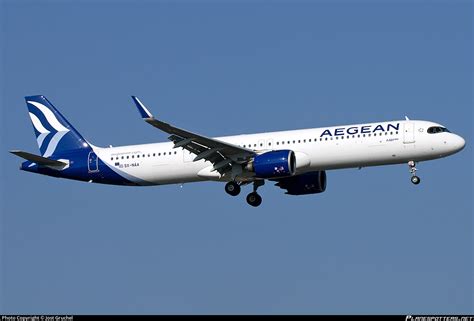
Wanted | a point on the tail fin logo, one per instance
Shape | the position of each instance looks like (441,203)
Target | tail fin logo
(55,128)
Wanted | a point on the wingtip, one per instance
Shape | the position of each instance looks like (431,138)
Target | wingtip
(144,112)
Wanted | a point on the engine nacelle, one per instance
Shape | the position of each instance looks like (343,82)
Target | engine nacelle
(307,183)
(274,164)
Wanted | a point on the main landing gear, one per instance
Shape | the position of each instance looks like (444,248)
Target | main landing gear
(253,199)
(414,179)
(232,188)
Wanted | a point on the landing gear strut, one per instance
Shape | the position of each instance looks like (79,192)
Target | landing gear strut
(253,198)
(232,188)
(414,179)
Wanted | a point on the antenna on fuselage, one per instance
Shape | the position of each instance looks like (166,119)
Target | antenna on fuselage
(406,117)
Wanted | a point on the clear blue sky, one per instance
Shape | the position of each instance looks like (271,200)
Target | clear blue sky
(373,243)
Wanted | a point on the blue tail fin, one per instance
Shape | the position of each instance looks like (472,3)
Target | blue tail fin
(54,134)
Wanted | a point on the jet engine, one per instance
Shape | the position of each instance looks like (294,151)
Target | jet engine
(307,183)
(274,164)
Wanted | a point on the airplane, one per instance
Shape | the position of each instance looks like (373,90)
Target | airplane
(296,160)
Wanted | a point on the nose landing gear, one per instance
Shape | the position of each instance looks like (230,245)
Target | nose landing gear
(414,179)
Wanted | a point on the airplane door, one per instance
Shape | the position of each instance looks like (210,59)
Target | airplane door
(408,133)
(93,163)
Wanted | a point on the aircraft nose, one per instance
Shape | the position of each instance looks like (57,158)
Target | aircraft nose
(459,143)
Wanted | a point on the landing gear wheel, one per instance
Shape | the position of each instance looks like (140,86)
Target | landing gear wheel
(254,199)
(415,180)
(232,188)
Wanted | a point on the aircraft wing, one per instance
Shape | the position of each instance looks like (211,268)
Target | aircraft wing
(220,154)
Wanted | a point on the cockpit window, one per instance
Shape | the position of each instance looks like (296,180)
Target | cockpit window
(437,129)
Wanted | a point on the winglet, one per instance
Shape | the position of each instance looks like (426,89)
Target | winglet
(144,112)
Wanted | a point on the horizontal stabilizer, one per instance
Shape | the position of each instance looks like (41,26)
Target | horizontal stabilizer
(40,160)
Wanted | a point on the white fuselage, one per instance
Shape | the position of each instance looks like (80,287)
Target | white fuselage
(316,149)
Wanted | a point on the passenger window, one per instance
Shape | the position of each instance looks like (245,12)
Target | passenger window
(154,154)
